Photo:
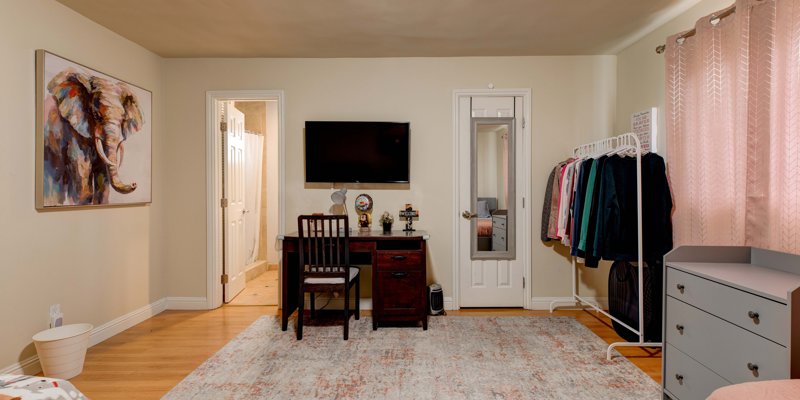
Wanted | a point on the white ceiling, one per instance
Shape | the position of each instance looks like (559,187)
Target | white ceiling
(380,28)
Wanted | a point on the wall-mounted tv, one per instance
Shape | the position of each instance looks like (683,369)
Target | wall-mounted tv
(362,152)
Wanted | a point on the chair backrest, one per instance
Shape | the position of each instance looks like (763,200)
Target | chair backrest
(324,246)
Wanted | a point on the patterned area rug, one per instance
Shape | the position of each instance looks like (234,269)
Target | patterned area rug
(456,358)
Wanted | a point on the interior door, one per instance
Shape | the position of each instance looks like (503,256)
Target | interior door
(235,257)
(490,227)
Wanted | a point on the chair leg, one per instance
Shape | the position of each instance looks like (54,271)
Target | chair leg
(358,296)
(346,309)
(300,309)
(311,304)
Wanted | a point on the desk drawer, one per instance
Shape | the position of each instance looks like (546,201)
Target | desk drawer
(686,379)
(402,260)
(732,305)
(723,347)
(402,292)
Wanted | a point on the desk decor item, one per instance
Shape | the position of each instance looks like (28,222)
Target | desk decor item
(339,198)
(364,211)
(87,124)
(386,220)
(409,213)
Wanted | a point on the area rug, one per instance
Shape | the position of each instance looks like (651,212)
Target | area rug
(456,358)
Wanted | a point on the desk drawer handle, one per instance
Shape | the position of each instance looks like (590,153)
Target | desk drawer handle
(679,377)
(679,327)
(681,287)
(399,274)
(753,315)
(398,258)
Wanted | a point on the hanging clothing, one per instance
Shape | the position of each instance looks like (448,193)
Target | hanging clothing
(579,203)
(547,205)
(550,205)
(567,238)
(618,210)
(591,234)
(597,208)
(565,199)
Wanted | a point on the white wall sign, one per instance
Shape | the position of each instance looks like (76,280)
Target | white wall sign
(645,124)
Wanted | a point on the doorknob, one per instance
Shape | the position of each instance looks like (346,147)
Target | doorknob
(468,215)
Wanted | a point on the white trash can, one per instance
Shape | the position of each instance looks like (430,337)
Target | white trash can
(62,350)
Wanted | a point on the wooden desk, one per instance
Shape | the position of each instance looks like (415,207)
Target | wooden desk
(399,279)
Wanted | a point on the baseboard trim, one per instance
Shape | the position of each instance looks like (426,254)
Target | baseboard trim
(255,269)
(543,303)
(186,303)
(28,366)
(31,366)
(449,304)
(117,325)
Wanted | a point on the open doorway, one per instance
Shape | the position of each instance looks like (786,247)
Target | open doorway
(250,188)
(245,185)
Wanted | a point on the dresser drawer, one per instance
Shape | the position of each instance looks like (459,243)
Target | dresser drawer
(499,222)
(499,241)
(731,304)
(400,260)
(686,379)
(723,347)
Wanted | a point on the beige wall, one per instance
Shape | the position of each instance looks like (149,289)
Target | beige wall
(574,100)
(99,264)
(641,72)
(271,187)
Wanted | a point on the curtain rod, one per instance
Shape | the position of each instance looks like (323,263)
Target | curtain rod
(714,17)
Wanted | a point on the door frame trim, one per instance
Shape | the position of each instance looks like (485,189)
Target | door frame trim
(525,250)
(214,183)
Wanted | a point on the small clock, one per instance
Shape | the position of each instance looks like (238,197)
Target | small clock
(364,202)
(364,210)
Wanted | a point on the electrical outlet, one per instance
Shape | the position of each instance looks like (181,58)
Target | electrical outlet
(56,316)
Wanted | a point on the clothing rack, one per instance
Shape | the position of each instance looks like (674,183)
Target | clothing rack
(618,144)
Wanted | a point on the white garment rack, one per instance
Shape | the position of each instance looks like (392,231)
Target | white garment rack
(617,144)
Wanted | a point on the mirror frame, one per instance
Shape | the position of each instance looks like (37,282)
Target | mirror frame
(511,226)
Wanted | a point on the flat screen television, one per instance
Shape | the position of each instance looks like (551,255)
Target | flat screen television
(357,152)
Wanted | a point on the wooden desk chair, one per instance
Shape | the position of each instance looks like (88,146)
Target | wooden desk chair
(324,252)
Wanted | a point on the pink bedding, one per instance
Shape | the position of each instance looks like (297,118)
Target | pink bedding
(484,227)
(766,390)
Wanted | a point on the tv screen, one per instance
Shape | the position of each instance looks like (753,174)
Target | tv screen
(365,152)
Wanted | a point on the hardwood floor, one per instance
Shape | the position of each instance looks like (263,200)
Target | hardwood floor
(146,361)
(259,291)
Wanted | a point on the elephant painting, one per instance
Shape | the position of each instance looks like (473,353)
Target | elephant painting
(87,119)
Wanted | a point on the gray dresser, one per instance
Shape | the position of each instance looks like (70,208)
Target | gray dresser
(731,315)
(499,223)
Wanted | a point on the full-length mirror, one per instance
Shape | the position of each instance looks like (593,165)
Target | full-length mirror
(493,192)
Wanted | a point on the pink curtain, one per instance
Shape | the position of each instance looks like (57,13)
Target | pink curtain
(733,128)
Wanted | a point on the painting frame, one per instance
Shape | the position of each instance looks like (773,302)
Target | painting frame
(103,180)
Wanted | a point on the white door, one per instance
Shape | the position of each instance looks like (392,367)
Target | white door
(491,188)
(235,257)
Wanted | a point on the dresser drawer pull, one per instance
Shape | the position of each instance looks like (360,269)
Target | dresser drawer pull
(398,258)
(754,315)
(679,377)
(681,287)
(679,327)
(753,368)
(399,274)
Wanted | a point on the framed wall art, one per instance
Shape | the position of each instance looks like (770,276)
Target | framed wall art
(93,137)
